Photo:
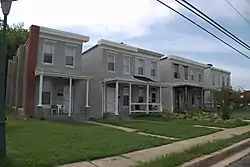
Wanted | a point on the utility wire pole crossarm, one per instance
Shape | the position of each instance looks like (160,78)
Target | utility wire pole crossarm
(5,5)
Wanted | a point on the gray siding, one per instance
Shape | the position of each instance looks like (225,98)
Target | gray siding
(209,73)
(59,58)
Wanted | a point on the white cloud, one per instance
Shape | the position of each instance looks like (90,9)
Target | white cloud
(132,17)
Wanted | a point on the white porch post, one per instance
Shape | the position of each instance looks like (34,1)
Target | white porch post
(40,90)
(70,95)
(116,97)
(87,93)
(171,100)
(130,96)
(160,99)
(147,98)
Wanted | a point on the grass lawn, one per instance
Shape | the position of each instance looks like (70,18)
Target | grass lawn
(244,114)
(176,159)
(35,143)
(192,122)
(171,128)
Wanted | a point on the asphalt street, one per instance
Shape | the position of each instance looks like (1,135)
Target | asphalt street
(244,162)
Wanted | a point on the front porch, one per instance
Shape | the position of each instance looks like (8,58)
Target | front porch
(126,96)
(60,95)
(188,97)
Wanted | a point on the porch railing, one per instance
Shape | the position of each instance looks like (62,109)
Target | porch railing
(142,107)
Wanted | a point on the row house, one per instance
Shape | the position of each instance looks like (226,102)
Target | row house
(51,77)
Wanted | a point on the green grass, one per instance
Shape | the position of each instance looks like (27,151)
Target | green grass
(176,159)
(35,143)
(171,128)
(244,114)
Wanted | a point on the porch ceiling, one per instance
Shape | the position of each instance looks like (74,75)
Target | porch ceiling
(58,74)
(188,84)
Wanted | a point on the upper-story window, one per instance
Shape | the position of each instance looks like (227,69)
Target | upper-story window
(192,75)
(48,53)
(223,81)
(111,62)
(228,81)
(153,69)
(219,82)
(70,56)
(126,65)
(213,79)
(176,71)
(141,66)
(185,72)
(200,77)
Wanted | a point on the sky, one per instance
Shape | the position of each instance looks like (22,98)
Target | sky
(148,24)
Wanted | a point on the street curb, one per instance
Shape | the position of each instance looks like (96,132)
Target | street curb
(217,156)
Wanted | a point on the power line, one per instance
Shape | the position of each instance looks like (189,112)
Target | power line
(213,23)
(204,29)
(232,6)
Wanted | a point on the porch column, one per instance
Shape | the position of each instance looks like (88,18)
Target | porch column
(186,98)
(147,98)
(210,93)
(130,97)
(87,94)
(160,99)
(40,90)
(202,98)
(70,95)
(171,99)
(116,97)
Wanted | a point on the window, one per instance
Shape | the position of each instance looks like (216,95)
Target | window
(46,98)
(70,56)
(111,62)
(48,53)
(141,65)
(153,95)
(126,65)
(219,81)
(185,72)
(213,79)
(228,81)
(153,69)
(125,96)
(223,81)
(192,75)
(200,77)
(176,71)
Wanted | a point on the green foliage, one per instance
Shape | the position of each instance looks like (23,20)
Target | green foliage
(16,35)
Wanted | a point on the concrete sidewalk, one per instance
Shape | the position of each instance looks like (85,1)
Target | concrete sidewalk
(133,158)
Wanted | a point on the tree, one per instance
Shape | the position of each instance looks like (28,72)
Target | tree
(16,35)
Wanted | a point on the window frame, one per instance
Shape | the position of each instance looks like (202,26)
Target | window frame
(129,65)
(52,43)
(200,77)
(114,56)
(185,70)
(127,94)
(143,66)
(74,55)
(50,98)
(176,72)
(152,63)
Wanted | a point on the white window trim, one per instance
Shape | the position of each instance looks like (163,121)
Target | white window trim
(129,65)
(156,65)
(144,68)
(178,71)
(53,52)
(112,54)
(184,67)
(74,56)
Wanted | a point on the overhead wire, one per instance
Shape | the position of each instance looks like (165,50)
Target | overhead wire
(221,40)
(232,6)
(208,19)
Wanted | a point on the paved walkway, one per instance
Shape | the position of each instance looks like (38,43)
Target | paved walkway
(146,155)
(112,126)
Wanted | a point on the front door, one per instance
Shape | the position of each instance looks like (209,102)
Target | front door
(66,99)
(110,100)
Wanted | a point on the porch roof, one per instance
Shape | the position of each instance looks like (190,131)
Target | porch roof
(186,84)
(135,81)
(58,74)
